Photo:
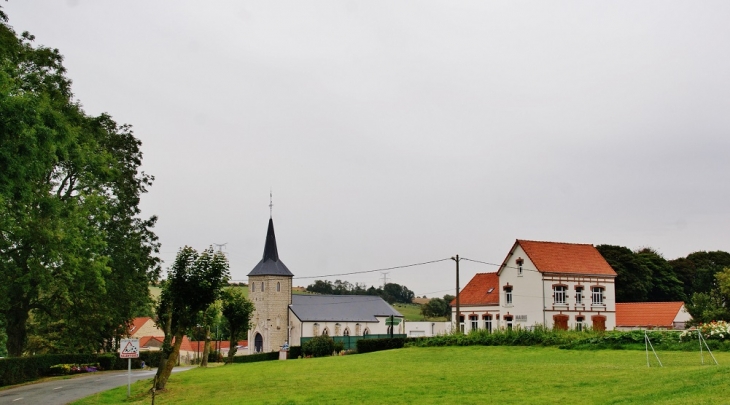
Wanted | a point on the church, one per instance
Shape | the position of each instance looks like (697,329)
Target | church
(281,318)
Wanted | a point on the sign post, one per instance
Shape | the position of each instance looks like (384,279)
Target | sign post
(129,349)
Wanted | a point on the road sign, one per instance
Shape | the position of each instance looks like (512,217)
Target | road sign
(129,349)
(394,321)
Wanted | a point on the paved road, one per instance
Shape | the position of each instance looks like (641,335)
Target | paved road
(59,392)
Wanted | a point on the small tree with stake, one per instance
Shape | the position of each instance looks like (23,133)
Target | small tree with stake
(194,283)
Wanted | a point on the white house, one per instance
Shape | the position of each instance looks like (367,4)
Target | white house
(559,285)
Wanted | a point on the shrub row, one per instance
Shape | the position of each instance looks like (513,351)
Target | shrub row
(585,340)
(252,358)
(374,345)
(16,370)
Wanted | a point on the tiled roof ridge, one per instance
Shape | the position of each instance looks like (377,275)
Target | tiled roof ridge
(556,243)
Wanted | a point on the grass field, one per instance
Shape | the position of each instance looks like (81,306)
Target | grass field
(412,312)
(451,375)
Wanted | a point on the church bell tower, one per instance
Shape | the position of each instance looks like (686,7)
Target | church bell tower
(270,285)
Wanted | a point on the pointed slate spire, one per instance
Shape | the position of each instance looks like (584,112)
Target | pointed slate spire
(270,265)
(270,251)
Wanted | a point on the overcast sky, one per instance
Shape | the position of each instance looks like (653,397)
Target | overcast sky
(397,132)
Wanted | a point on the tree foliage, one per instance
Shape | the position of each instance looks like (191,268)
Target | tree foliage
(435,308)
(71,240)
(194,282)
(391,292)
(633,280)
(642,275)
(237,310)
(713,305)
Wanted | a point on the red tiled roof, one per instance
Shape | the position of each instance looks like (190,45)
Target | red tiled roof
(477,290)
(659,314)
(145,341)
(138,323)
(224,344)
(570,258)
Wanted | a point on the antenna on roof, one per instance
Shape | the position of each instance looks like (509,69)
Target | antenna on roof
(271,204)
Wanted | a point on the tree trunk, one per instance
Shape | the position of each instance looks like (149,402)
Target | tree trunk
(232,345)
(206,348)
(166,365)
(16,327)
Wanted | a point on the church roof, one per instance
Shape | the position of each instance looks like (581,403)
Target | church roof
(270,265)
(340,308)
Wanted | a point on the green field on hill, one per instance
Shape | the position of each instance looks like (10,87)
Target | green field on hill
(450,375)
(412,312)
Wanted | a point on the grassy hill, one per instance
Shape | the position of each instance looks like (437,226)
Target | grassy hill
(463,375)
(412,312)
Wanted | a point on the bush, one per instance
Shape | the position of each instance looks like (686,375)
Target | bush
(374,345)
(295,352)
(252,358)
(319,346)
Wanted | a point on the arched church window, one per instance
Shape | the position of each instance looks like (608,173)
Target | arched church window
(315,329)
(278,286)
(337,329)
(325,331)
(346,332)
(366,332)
(253,287)
(262,286)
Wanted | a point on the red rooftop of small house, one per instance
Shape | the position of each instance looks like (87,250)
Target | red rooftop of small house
(658,314)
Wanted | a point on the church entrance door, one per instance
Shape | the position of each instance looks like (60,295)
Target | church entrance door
(258,343)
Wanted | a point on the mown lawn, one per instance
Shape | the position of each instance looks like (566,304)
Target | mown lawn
(451,375)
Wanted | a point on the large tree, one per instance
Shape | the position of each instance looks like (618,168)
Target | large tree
(634,279)
(194,282)
(71,240)
(697,271)
(665,284)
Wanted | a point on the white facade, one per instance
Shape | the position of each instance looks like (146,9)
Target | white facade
(306,329)
(536,296)
(529,295)
(427,329)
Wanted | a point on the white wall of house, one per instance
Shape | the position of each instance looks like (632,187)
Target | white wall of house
(680,321)
(299,329)
(528,294)
(469,312)
(534,300)
(427,329)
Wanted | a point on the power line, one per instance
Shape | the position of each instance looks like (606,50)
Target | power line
(498,265)
(375,270)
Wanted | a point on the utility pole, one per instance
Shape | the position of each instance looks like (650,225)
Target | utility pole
(458,307)
(385,278)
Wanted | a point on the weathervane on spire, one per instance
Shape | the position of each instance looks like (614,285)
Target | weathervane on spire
(271,204)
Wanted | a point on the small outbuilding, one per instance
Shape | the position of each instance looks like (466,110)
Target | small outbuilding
(651,315)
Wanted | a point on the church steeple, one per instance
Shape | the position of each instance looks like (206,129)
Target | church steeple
(270,251)
(270,265)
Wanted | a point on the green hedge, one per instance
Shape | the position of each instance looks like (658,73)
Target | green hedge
(294,353)
(16,370)
(585,340)
(252,358)
(374,345)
